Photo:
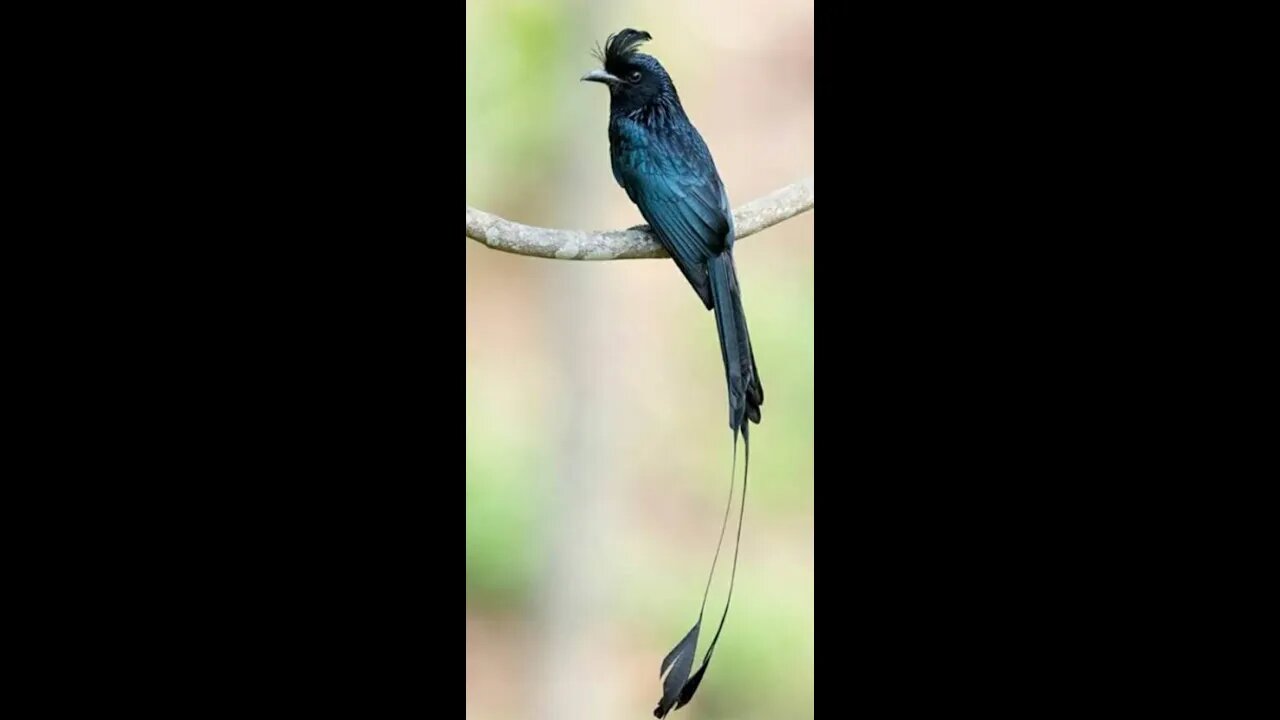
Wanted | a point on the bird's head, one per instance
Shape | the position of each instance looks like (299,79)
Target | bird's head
(635,80)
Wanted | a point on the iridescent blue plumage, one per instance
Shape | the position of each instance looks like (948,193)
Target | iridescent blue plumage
(662,162)
(660,159)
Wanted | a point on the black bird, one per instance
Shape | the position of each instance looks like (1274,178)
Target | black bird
(659,158)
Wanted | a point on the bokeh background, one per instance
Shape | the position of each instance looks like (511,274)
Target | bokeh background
(598,451)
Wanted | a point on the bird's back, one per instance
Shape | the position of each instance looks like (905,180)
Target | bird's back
(663,163)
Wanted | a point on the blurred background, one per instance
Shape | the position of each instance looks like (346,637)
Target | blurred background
(598,450)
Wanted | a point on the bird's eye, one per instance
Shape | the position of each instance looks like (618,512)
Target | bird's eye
(634,76)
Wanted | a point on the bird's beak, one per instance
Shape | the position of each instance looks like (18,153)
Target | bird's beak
(600,76)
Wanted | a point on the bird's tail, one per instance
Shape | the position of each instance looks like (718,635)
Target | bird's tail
(746,394)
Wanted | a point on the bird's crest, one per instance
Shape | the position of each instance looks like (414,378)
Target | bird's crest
(620,45)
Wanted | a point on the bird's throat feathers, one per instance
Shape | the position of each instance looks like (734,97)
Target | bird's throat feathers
(657,112)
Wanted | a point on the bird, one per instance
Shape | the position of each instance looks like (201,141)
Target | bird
(660,159)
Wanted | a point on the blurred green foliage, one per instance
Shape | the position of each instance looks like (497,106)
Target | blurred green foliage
(501,505)
(511,130)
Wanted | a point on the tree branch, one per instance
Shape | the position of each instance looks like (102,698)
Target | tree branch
(636,242)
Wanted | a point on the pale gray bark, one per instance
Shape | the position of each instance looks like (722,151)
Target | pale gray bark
(637,242)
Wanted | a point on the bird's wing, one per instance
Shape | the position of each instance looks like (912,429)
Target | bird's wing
(681,197)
